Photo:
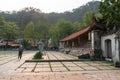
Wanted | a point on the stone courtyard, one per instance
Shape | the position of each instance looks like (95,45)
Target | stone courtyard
(13,69)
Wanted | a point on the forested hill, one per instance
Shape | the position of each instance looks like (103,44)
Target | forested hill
(76,14)
(32,14)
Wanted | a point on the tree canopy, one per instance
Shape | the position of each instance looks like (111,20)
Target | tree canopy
(8,30)
(29,31)
(110,9)
(62,29)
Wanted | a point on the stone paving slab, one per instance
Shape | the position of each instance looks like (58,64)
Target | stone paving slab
(42,69)
(103,75)
(94,64)
(73,65)
(4,61)
(105,67)
(28,70)
(28,65)
(42,66)
(67,76)
(78,62)
(90,68)
(67,62)
(55,63)
(20,69)
(82,64)
(60,69)
(39,66)
(46,66)
(57,66)
(43,63)
(75,69)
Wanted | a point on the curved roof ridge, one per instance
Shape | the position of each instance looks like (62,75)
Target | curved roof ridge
(76,34)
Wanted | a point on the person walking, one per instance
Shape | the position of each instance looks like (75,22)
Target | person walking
(20,51)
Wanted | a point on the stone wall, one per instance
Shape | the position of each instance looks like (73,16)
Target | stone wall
(113,45)
(76,51)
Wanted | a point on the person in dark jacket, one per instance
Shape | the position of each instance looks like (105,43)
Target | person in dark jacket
(20,51)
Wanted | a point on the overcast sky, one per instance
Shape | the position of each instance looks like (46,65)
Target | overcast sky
(46,6)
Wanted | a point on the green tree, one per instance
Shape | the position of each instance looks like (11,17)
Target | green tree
(110,9)
(9,31)
(30,14)
(29,31)
(87,20)
(77,26)
(65,28)
(54,34)
(62,29)
(30,35)
(2,21)
(42,29)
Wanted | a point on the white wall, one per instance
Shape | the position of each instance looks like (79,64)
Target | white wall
(114,45)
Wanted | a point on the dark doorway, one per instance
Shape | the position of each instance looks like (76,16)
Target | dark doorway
(108,48)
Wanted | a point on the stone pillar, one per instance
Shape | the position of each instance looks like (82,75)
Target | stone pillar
(117,58)
(96,43)
(95,39)
(73,44)
(92,41)
(67,43)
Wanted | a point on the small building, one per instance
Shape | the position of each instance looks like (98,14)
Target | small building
(94,40)
(110,45)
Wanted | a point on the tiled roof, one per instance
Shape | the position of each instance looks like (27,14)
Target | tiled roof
(76,34)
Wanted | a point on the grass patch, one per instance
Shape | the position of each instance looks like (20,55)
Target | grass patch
(38,56)
(112,64)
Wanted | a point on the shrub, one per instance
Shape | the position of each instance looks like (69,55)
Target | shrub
(26,44)
(38,55)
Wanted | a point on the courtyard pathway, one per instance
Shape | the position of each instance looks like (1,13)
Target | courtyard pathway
(13,69)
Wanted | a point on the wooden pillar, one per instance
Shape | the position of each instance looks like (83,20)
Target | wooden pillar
(67,43)
(73,44)
(89,36)
(78,41)
(63,43)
